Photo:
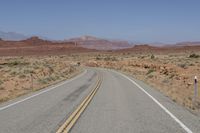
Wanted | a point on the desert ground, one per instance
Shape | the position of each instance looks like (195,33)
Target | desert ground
(33,64)
(21,75)
(171,73)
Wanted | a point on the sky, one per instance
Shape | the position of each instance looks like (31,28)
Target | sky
(146,21)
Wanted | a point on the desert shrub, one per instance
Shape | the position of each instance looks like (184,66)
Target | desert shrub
(13,73)
(22,76)
(150,76)
(71,69)
(50,79)
(152,56)
(98,58)
(166,81)
(16,62)
(194,56)
(2,88)
(141,57)
(114,59)
(51,70)
(171,76)
(36,66)
(1,82)
(43,81)
(107,58)
(50,67)
(146,66)
(182,66)
(46,80)
(150,71)
(191,64)
(27,71)
(57,77)
(78,63)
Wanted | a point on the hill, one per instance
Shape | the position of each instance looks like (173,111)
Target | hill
(37,46)
(145,48)
(188,44)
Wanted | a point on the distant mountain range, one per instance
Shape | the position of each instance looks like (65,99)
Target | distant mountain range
(12,36)
(37,46)
(92,42)
(188,44)
(99,43)
(83,41)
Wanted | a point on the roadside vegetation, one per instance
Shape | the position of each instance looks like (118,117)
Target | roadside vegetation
(21,75)
(171,73)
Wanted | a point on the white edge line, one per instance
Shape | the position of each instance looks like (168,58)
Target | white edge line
(44,91)
(159,104)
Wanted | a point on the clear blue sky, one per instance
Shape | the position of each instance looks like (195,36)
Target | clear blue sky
(134,20)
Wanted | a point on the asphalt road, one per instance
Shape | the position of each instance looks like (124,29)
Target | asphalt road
(121,104)
(45,111)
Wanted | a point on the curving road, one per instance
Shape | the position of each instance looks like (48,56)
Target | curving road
(122,104)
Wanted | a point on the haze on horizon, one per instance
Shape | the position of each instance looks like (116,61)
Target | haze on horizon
(133,20)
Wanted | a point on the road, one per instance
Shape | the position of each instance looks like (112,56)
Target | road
(122,104)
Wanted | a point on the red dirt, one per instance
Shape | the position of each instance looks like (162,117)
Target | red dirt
(163,50)
(36,46)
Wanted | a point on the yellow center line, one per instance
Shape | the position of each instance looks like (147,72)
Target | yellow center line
(70,122)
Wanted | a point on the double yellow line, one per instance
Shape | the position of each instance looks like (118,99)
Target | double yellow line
(70,122)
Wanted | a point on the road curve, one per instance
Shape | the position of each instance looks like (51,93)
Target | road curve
(120,105)
(46,110)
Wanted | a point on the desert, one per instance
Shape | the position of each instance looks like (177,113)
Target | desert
(32,64)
